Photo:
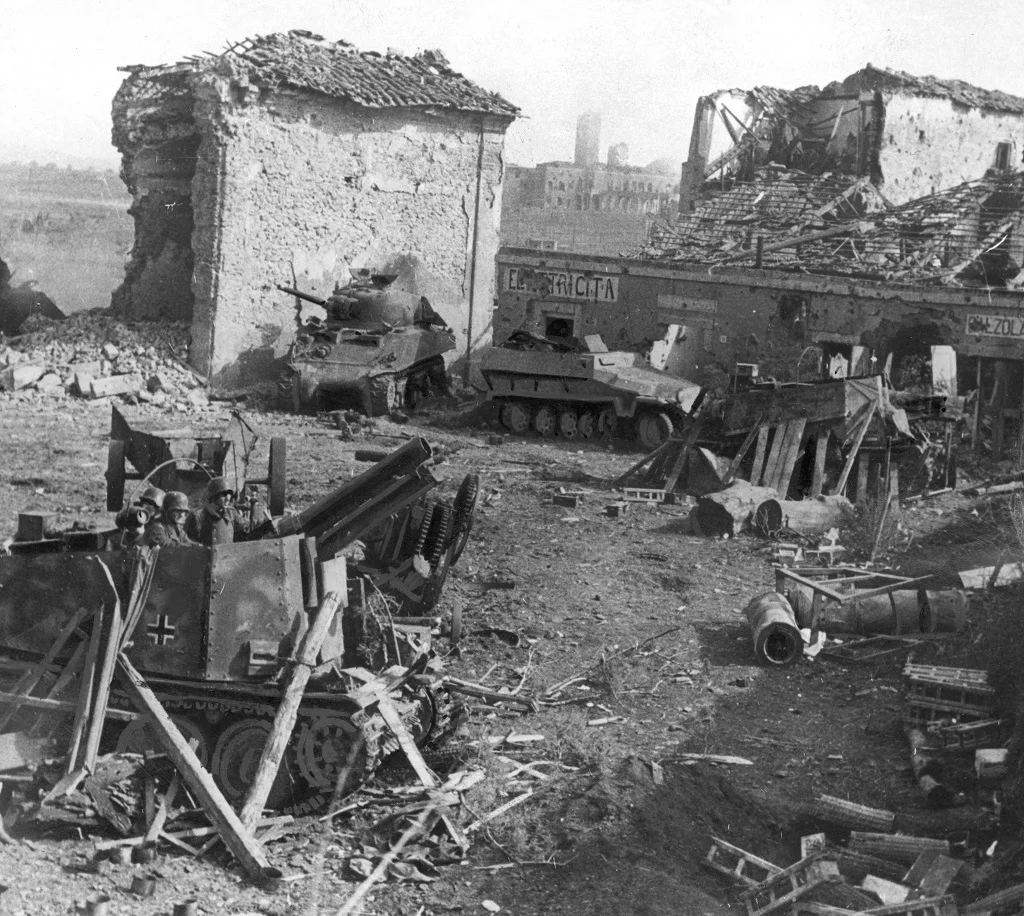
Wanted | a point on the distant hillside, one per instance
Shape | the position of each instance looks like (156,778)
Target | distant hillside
(21,180)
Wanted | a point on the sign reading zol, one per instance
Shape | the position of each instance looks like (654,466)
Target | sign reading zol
(996,325)
(563,284)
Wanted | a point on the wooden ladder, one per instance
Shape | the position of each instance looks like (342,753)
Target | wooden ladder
(782,889)
(739,865)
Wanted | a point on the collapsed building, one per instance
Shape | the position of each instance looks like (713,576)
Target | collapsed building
(791,258)
(911,136)
(289,159)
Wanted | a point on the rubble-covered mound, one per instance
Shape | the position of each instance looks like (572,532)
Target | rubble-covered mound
(94,355)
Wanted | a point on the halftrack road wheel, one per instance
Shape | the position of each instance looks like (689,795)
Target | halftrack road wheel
(236,758)
(515,417)
(586,426)
(331,747)
(569,423)
(138,736)
(545,421)
(607,422)
(653,428)
(384,396)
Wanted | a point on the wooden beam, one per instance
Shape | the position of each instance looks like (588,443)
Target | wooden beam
(64,706)
(734,465)
(236,837)
(759,455)
(85,691)
(820,451)
(30,679)
(861,433)
(853,228)
(288,709)
(106,675)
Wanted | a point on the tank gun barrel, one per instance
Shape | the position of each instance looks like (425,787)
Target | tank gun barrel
(309,297)
(358,506)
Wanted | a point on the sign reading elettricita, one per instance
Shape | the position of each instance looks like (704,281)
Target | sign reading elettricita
(565,284)
(996,325)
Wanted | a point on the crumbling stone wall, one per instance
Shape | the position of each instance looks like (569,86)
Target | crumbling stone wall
(158,141)
(291,187)
(929,144)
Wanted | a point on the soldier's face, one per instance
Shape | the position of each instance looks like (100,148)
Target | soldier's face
(178,516)
(222,499)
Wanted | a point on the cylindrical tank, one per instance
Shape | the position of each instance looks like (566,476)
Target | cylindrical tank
(777,639)
(947,610)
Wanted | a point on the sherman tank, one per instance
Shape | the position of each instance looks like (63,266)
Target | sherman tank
(216,624)
(378,350)
(558,387)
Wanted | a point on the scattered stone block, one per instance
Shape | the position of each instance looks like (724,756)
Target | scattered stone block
(114,384)
(50,382)
(110,351)
(20,376)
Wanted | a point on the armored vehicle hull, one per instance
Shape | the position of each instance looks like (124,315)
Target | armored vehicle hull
(555,390)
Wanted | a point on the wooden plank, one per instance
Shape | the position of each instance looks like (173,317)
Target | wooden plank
(30,679)
(759,453)
(288,708)
(236,837)
(861,433)
(863,463)
(772,465)
(820,451)
(627,474)
(737,460)
(684,450)
(393,719)
(156,825)
(791,451)
(63,706)
(85,691)
(106,675)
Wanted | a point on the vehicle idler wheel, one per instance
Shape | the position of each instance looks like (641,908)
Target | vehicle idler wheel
(383,396)
(607,422)
(569,423)
(653,428)
(586,426)
(516,417)
(545,421)
(331,747)
(138,736)
(236,758)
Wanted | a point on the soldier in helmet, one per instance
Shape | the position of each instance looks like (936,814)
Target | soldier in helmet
(219,521)
(169,529)
(133,519)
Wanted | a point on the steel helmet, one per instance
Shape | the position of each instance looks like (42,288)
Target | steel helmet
(175,500)
(217,486)
(153,495)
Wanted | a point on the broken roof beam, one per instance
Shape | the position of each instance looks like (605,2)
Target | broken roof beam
(858,228)
(991,241)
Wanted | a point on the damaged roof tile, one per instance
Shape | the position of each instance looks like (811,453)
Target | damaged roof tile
(302,60)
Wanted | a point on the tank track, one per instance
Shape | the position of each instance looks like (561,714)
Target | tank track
(404,390)
(578,420)
(331,736)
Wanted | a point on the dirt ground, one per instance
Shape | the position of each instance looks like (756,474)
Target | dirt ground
(650,614)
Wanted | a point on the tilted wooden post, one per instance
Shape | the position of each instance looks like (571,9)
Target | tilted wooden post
(236,837)
(288,710)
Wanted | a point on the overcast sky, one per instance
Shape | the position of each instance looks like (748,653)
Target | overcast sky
(641,63)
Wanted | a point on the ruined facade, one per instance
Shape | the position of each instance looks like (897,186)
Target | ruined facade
(288,159)
(910,135)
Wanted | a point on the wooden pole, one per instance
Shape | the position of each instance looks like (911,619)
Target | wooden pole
(861,433)
(106,675)
(28,681)
(288,710)
(85,690)
(237,838)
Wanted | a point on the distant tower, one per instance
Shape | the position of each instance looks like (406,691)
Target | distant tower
(588,139)
(618,156)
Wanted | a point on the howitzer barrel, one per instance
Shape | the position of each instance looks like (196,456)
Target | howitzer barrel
(316,300)
(363,502)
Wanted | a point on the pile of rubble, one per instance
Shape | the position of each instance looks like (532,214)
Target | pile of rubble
(93,355)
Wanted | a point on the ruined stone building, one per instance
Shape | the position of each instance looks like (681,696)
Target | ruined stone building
(912,136)
(288,159)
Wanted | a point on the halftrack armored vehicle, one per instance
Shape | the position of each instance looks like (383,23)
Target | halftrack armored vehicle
(582,390)
(378,350)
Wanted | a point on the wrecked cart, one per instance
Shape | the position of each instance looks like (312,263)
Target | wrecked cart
(185,460)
